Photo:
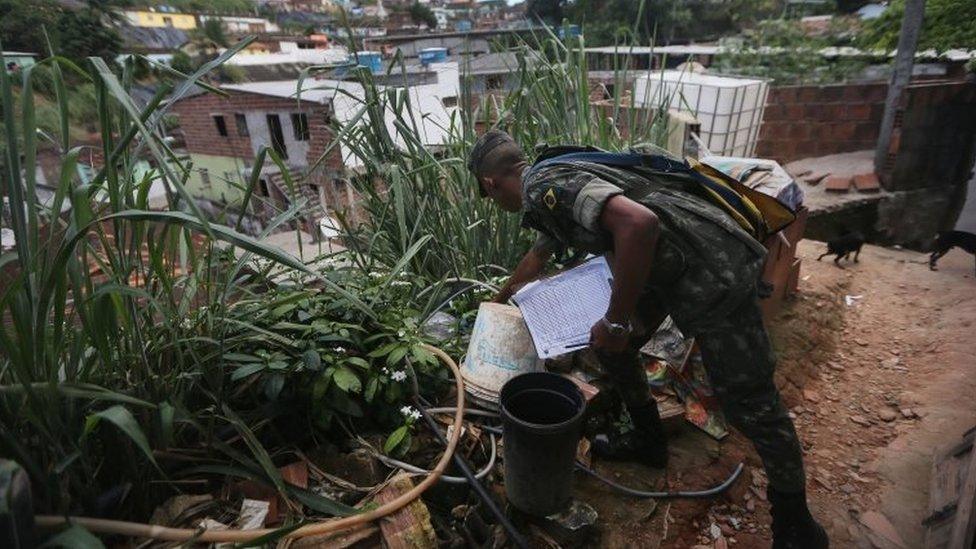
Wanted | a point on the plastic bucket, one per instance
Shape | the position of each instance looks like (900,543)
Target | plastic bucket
(500,349)
(542,415)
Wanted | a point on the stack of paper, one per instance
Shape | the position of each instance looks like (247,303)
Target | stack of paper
(560,311)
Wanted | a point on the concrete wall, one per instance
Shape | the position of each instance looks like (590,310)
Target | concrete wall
(215,177)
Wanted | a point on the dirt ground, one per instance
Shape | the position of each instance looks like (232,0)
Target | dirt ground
(879,382)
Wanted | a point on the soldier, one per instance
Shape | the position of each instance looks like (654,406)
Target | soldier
(672,251)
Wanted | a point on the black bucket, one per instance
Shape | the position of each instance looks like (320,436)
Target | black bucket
(542,415)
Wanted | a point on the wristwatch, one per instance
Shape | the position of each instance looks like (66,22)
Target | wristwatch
(616,329)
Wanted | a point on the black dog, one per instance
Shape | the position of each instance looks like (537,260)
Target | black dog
(843,245)
(948,240)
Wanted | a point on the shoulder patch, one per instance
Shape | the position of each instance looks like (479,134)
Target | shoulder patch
(550,198)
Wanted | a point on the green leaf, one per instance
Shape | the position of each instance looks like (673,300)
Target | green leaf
(357,361)
(396,356)
(319,503)
(75,537)
(166,415)
(312,360)
(384,350)
(371,387)
(122,418)
(347,380)
(395,438)
(239,357)
(246,370)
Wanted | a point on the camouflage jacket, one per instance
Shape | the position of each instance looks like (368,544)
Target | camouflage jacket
(704,264)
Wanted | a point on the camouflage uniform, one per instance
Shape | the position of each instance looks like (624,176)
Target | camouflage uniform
(704,275)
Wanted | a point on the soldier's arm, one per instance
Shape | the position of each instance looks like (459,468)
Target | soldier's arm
(529,268)
(634,229)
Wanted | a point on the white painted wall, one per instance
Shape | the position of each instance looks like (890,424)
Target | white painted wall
(257,125)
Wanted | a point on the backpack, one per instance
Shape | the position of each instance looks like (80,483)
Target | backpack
(758,214)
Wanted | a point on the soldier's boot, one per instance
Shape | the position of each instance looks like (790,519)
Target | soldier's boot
(647,443)
(793,525)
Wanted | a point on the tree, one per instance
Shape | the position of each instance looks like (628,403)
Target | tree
(22,24)
(213,30)
(81,34)
(182,62)
(549,11)
(947,24)
(420,13)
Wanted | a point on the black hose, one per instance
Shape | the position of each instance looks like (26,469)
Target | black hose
(714,491)
(513,534)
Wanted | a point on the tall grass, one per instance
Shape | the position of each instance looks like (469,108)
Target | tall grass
(412,194)
(138,351)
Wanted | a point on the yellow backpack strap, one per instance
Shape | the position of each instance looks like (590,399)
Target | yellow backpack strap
(771,214)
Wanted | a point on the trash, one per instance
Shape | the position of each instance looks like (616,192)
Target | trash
(170,510)
(851,299)
(253,514)
(409,527)
(440,326)
(573,527)
(715,531)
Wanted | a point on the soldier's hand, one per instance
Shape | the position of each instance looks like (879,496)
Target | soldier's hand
(602,340)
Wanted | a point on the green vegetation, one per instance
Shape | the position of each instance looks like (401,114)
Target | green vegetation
(947,24)
(421,14)
(780,50)
(26,25)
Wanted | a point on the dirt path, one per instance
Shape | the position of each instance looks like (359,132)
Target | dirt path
(878,386)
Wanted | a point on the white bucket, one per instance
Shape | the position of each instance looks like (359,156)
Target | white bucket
(500,349)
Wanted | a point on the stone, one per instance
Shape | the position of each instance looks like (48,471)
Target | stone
(880,526)
(811,395)
(848,488)
(907,413)
(715,531)
(860,420)
(751,505)
(887,414)
(890,363)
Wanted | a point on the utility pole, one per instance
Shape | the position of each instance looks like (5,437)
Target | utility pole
(911,27)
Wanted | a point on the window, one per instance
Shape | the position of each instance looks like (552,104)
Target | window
(205,177)
(241,122)
(493,82)
(168,21)
(449,102)
(263,187)
(299,125)
(221,125)
(277,137)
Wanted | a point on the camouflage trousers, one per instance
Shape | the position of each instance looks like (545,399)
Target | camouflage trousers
(739,361)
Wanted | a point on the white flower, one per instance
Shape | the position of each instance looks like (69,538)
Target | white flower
(409,412)
(376,274)
(399,283)
(401,333)
(386,370)
(399,375)
(339,349)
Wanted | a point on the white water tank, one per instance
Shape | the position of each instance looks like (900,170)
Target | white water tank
(730,109)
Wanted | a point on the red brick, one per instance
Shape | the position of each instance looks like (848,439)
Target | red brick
(838,184)
(867,182)
(858,112)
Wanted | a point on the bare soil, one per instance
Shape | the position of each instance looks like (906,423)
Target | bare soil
(878,384)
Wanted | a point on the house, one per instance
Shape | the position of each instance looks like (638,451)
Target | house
(154,19)
(224,134)
(18,60)
(236,24)
(156,43)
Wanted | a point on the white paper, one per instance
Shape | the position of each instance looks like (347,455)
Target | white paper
(560,311)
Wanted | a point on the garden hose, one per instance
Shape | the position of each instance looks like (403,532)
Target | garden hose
(141,530)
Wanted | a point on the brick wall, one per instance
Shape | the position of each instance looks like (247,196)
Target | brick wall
(805,121)
(196,116)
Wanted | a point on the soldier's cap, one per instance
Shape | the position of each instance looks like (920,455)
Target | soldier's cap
(485,144)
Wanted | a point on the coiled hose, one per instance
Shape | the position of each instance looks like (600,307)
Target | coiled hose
(140,530)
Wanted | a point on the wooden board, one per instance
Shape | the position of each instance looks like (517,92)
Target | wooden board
(952,491)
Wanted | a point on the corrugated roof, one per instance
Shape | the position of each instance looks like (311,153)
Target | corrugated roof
(313,91)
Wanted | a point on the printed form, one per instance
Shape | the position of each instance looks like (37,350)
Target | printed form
(559,311)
